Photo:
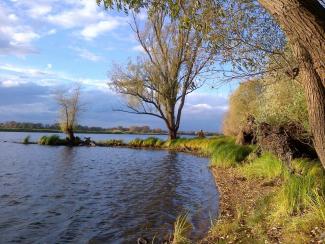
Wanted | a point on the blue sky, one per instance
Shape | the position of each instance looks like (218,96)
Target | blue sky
(48,45)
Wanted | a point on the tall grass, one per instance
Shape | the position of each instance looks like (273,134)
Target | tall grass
(222,150)
(182,228)
(302,190)
(267,167)
(148,142)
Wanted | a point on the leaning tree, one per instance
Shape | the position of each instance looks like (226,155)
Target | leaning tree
(171,67)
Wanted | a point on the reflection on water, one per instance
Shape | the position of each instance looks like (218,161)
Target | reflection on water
(106,195)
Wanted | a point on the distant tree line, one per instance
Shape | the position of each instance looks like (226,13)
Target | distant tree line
(11,125)
(29,126)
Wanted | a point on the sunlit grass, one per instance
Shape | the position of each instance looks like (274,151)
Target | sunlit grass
(182,228)
(267,166)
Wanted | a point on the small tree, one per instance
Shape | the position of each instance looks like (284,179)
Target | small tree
(70,108)
(158,83)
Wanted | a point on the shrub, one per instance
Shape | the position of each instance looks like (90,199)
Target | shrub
(51,140)
(26,140)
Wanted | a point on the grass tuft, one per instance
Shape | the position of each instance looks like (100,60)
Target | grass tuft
(182,228)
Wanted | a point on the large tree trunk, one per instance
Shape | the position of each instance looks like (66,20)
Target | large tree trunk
(172,134)
(303,21)
(71,136)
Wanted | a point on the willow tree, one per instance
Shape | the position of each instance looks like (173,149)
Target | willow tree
(303,23)
(69,104)
(171,67)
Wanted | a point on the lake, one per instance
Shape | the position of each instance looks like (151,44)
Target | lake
(59,194)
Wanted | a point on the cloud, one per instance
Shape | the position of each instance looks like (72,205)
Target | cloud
(85,15)
(138,48)
(92,31)
(15,37)
(19,75)
(51,32)
(39,10)
(88,55)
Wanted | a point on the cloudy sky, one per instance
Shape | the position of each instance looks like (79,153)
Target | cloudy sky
(47,45)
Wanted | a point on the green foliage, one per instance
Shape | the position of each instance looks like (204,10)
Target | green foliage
(275,100)
(229,154)
(267,167)
(223,150)
(148,142)
(302,190)
(242,102)
(26,140)
(51,140)
(282,101)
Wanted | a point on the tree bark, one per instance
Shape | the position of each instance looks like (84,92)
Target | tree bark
(71,136)
(172,133)
(303,21)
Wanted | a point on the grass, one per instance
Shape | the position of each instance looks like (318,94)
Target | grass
(152,142)
(26,140)
(295,207)
(265,167)
(182,227)
(53,140)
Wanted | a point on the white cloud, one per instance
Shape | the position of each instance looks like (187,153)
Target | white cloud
(90,20)
(39,10)
(92,31)
(51,32)
(138,48)
(88,55)
(15,37)
(10,83)
(11,75)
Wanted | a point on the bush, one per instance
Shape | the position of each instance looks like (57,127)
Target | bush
(51,140)
(26,140)
(275,101)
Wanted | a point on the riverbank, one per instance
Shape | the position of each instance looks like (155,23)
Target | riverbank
(261,201)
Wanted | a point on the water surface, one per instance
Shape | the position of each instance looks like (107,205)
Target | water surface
(104,195)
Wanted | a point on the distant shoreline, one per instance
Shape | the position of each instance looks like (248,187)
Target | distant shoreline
(95,132)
